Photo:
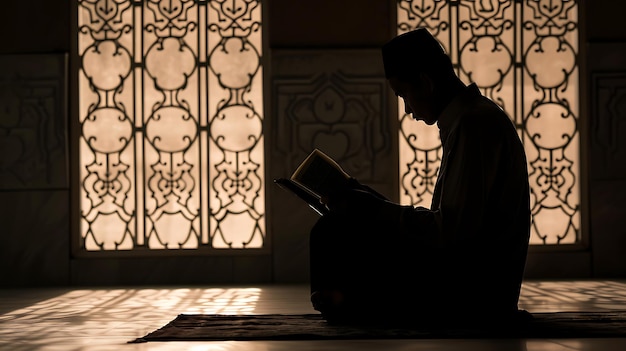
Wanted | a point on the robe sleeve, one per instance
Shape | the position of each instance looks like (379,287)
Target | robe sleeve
(475,149)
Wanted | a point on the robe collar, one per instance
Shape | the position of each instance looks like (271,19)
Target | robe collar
(449,116)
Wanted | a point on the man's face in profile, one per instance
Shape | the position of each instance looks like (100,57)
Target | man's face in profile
(417,98)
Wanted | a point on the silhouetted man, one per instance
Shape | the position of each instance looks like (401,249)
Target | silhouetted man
(461,260)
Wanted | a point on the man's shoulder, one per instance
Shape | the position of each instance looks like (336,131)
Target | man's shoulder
(485,120)
(484,112)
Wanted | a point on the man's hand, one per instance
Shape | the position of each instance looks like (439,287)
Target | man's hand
(353,202)
(355,184)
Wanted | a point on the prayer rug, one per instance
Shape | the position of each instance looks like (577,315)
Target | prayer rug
(188,327)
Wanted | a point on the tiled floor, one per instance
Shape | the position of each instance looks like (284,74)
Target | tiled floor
(105,319)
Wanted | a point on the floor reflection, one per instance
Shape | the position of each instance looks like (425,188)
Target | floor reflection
(125,312)
(120,302)
(105,319)
(586,295)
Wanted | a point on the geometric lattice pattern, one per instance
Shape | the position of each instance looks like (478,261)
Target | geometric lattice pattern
(171,144)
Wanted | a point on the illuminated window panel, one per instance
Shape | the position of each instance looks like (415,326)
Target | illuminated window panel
(171,144)
(522,55)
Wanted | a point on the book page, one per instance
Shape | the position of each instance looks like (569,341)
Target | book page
(320,174)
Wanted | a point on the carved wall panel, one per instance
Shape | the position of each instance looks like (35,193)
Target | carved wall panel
(607,156)
(337,101)
(34,186)
(33,118)
(608,125)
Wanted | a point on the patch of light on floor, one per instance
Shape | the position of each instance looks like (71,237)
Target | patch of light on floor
(576,295)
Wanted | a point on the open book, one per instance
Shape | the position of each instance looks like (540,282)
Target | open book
(316,177)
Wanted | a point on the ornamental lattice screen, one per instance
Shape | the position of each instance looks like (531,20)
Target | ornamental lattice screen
(171,145)
(523,55)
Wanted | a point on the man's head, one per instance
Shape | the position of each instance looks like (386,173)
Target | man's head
(418,68)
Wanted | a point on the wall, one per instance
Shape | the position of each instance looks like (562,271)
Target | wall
(34,178)
(606,125)
(35,207)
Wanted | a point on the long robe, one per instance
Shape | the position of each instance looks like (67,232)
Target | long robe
(467,252)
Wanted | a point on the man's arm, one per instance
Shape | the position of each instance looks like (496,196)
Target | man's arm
(407,223)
